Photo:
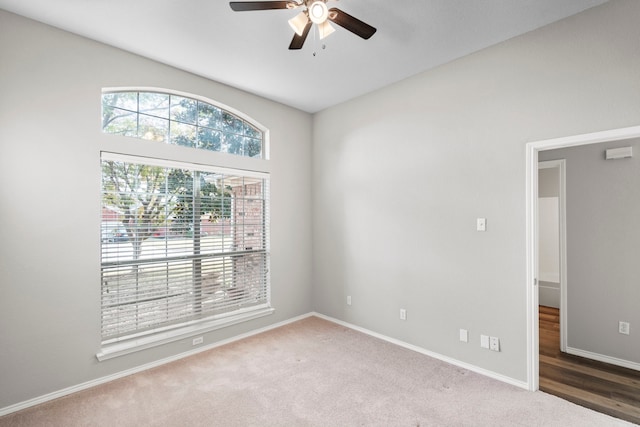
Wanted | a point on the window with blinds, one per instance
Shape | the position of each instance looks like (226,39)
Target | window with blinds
(180,243)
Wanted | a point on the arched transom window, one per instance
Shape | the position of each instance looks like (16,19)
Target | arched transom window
(179,120)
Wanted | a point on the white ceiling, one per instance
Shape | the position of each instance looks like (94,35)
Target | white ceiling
(249,50)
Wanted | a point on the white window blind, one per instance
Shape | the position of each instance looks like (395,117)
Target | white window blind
(181,243)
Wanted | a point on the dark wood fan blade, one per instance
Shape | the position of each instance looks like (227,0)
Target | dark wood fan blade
(298,41)
(350,23)
(243,6)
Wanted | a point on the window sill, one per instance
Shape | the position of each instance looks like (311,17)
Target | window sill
(121,348)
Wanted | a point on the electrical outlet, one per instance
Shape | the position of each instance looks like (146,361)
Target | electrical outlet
(403,314)
(484,341)
(348,299)
(494,343)
(198,340)
(464,335)
(623,328)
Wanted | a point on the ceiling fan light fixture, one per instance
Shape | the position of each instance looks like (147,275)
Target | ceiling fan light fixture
(298,23)
(318,12)
(325,29)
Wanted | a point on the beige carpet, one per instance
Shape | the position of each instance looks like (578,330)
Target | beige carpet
(309,373)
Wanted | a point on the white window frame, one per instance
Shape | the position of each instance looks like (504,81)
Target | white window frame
(259,169)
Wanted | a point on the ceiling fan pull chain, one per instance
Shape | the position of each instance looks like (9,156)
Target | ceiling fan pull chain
(315,41)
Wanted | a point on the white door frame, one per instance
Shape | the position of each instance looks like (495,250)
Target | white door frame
(560,164)
(532,149)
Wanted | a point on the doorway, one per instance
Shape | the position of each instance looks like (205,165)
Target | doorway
(532,228)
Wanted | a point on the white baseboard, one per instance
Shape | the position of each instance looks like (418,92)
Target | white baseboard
(604,358)
(455,362)
(79,387)
(83,386)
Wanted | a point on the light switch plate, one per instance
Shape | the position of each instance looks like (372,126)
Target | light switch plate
(481,224)
(484,341)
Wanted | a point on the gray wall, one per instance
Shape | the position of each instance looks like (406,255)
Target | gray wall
(50,143)
(603,245)
(400,176)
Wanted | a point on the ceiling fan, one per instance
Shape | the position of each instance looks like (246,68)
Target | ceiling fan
(315,12)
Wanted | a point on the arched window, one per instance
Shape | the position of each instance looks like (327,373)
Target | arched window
(179,120)
(184,247)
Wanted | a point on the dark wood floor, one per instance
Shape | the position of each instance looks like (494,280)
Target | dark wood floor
(600,386)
